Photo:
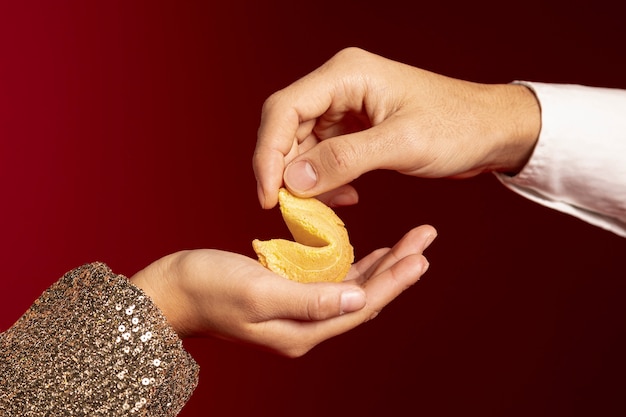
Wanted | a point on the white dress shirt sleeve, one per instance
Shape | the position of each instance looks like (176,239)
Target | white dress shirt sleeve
(579,163)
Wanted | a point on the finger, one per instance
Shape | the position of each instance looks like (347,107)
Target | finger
(295,338)
(286,299)
(286,114)
(383,288)
(388,273)
(339,160)
(361,267)
(320,301)
(268,163)
(345,195)
(414,242)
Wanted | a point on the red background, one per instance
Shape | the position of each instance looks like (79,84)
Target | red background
(126,133)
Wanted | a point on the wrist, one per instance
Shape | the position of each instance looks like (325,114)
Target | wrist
(156,282)
(522,124)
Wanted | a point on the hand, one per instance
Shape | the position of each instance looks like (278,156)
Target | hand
(216,293)
(359,112)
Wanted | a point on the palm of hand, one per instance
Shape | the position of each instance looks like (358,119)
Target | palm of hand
(209,292)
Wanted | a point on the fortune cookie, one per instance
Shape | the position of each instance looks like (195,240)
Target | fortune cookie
(321,251)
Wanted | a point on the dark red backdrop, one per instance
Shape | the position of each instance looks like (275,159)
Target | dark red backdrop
(126,133)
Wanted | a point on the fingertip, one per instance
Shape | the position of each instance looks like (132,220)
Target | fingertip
(429,239)
(260,194)
(425,234)
(267,199)
(300,176)
(345,195)
(268,166)
(431,235)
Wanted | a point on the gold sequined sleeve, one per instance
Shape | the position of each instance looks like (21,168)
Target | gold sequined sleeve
(94,344)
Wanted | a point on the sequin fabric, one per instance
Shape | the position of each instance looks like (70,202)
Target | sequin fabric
(94,344)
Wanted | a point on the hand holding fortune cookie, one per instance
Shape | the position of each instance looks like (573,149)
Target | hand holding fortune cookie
(321,251)
(209,292)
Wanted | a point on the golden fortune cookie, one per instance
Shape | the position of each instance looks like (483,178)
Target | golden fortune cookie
(321,252)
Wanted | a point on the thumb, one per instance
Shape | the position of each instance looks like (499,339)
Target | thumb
(331,163)
(315,301)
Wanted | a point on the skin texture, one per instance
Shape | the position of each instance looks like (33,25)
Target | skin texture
(360,112)
(230,296)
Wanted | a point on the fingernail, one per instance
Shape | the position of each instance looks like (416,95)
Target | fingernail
(429,240)
(352,300)
(300,176)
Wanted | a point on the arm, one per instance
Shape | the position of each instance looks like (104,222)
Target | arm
(579,164)
(97,343)
(94,344)
(359,112)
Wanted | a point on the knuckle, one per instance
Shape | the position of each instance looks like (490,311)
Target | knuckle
(350,52)
(337,157)
(270,102)
(316,306)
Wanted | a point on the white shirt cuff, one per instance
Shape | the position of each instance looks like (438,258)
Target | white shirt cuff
(579,163)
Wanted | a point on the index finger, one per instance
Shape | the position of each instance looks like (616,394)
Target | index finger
(275,139)
(286,119)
